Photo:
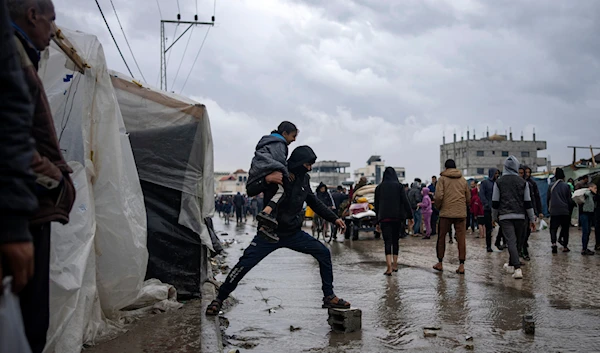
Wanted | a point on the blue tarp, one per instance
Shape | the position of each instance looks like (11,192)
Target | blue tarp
(543,187)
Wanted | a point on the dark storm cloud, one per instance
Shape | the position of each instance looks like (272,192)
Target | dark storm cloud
(374,76)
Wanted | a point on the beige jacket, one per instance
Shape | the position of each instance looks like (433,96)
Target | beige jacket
(452,194)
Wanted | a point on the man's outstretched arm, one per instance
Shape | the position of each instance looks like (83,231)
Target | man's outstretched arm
(319,207)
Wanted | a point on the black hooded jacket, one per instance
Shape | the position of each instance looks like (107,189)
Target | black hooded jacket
(324,197)
(390,198)
(535,194)
(290,210)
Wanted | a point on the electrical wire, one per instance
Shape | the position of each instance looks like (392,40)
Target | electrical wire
(196,59)
(178,8)
(183,56)
(114,40)
(159,11)
(127,41)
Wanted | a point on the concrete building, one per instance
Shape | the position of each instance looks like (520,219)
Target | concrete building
(374,169)
(233,183)
(475,157)
(332,173)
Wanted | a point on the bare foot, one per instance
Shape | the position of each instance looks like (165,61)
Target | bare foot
(438,267)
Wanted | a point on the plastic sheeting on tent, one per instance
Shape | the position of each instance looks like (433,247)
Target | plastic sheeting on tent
(98,260)
(172,144)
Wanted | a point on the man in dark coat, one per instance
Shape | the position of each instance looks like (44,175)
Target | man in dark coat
(17,181)
(289,229)
(238,203)
(32,28)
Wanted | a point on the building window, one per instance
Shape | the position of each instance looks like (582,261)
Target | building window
(240,179)
(504,153)
(480,154)
(494,153)
(480,171)
(525,154)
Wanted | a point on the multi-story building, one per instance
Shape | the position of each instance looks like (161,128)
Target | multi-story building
(332,173)
(475,157)
(374,169)
(233,183)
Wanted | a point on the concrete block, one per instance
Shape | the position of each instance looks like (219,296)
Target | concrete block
(345,320)
(528,324)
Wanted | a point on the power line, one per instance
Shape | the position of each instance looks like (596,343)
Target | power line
(159,11)
(196,59)
(182,57)
(114,40)
(127,41)
(178,8)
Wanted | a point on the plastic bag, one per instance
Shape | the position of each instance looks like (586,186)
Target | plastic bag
(543,225)
(12,333)
(579,196)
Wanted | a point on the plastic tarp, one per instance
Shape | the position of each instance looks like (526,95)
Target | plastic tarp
(172,144)
(98,260)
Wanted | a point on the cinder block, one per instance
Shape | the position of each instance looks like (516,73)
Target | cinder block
(345,320)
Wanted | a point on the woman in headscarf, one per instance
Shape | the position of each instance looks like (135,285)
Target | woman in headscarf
(393,209)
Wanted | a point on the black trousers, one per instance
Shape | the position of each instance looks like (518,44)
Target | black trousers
(487,219)
(391,237)
(35,297)
(564,222)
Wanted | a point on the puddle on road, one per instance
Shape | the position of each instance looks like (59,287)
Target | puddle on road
(485,304)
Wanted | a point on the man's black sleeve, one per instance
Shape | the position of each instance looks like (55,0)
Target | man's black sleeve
(319,207)
(256,187)
(17,181)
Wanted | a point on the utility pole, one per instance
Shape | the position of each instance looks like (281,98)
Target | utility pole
(163,44)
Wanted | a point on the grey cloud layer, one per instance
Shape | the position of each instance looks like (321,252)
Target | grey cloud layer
(375,76)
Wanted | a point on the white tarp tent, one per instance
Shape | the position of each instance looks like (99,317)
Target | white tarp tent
(98,260)
(172,143)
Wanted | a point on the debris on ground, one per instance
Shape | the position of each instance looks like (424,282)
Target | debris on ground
(292,328)
(469,338)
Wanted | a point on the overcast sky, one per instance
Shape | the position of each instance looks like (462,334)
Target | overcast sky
(363,77)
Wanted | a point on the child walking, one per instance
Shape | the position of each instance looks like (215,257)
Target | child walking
(477,210)
(426,211)
(271,156)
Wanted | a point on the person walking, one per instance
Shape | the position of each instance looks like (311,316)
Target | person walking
(436,212)
(587,217)
(289,229)
(426,211)
(238,204)
(485,194)
(560,204)
(537,208)
(393,209)
(477,209)
(511,200)
(452,197)
(414,197)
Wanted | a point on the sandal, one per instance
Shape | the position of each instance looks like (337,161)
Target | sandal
(438,267)
(388,274)
(214,308)
(339,304)
(460,272)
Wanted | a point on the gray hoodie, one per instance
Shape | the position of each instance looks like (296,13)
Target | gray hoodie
(511,198)
(270,156)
